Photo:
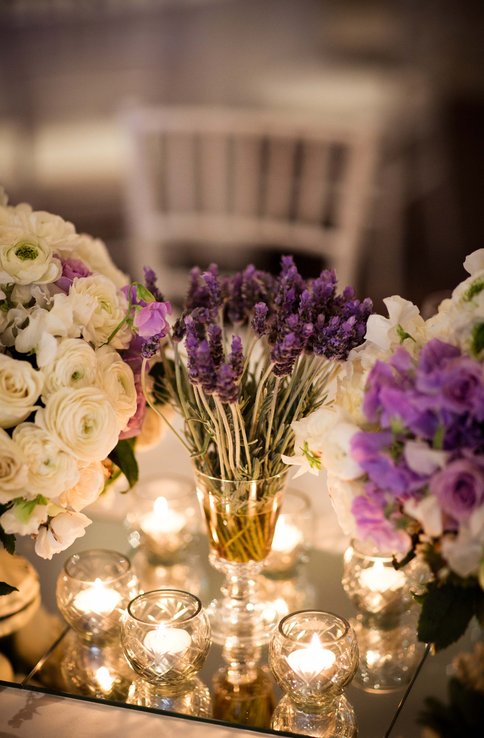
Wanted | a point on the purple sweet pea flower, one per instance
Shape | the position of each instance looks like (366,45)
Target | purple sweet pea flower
(150,320)
(71,270)
(459,488)
(372,525)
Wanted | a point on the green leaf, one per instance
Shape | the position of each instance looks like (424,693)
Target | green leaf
(446,612)
(8,540)
(123,456)
(438,439)
(477,343)
(6,589)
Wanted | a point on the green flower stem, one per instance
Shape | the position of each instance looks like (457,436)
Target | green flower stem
(224,463)
(235,421)
(260,390)
(271,414)
(228,434)
(237,413)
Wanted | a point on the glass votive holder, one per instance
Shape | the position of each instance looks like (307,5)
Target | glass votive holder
(92,592)
(166,636)
(372,583)
(389,654)
(292,536)
(313,656)
(186,573)
(164,516)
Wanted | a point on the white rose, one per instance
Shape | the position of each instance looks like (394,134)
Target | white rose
(88,488)
(99,308)
(82,422)
(116,378)
(24,518)
(13,469)
(20,387)
(50,470)
(75,366)
(60,533)
(95,256)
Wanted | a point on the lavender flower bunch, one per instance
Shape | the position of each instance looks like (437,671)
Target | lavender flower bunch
(250,354)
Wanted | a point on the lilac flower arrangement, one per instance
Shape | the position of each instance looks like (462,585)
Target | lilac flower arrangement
(250,354)
(403,444)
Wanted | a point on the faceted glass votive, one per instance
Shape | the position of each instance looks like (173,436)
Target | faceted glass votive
(292,536)
(92,592)
(166,636)
(313,656)
(164,516)
(372,583)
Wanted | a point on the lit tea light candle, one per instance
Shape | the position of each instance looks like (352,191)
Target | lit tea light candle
(97,599)
(312,660)
(165,640)
(162,519)
(286,536)
(381,578)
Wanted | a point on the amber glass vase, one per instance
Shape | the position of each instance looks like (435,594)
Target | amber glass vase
(240,517)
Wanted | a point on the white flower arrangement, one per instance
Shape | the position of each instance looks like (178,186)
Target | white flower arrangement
(68,390)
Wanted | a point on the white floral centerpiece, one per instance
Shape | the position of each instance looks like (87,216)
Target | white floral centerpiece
(70,375)
(403,446)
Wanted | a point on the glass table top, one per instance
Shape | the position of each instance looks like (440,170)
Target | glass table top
(390,653)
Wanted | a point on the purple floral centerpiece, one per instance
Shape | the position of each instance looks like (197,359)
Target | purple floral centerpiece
(404,448)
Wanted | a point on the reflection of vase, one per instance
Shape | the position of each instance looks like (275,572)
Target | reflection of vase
(241,518)
(243,696)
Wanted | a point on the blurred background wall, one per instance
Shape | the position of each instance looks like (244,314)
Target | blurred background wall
(412,69)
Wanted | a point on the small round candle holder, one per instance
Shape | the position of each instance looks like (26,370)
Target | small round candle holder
(313,656)
(93,590)
(164,517)
(292,536)
(187,573)
(166,636)
(389,654)
(372,583)
(191,698)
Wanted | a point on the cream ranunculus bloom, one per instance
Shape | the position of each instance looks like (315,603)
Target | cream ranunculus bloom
(28,244)
(50,470)
(75,365)
(116,378)
(88,488)
(20,388)
(13,469)
(82,421)
(60,533)
(154,427)
(99,308)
